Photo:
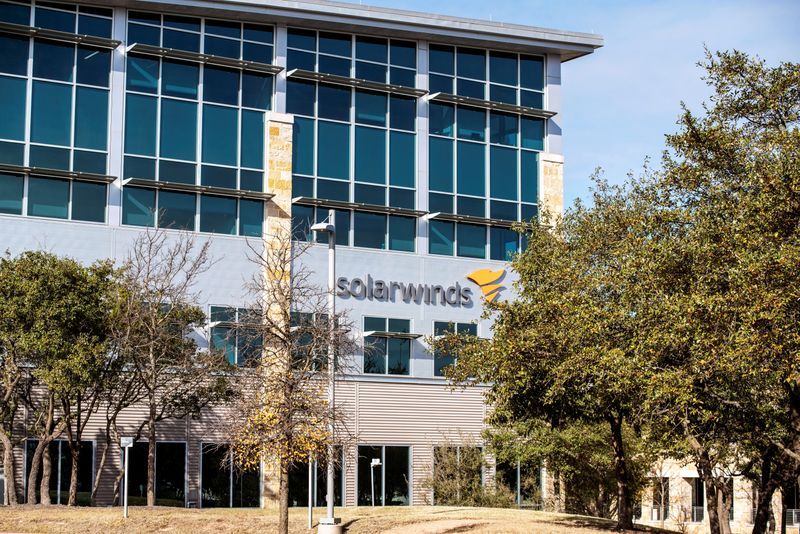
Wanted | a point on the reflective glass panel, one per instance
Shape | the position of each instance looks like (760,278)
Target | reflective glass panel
(338,44)
(471,241)
(91,118)
(84,161)
(176,210)
(370,155)
(256,90)
(179,129)
(217,214)
(471,168)
(403,113)
(302,219)
(533,133)
(369,230)
(88,201)
(221,85)
(51,110)
(529,176)
(440,164)
(142,74)
(401,159)
(12,153)
(375,355)
(15,13)
(139,168)
(471,63)
(403,53)
(11,193)
(252,139)
(396,476)
(49,157)
(441,118)
(532,72)
(441,237)
(503,128)
(402,231)
(173,171)
(305,39)
(333,102)
(303,146)
(220,129)
(48,197)
(217,46)
(503,68)
(471,124)
(14,59)
(53,60)
(179,79)
(12,107)
(251,217)
(503,177)
(300,97)
(334,65)
(140,125)
(441,59)
(399,356)
(93,66)
(503,243)
(371,108)
(334,150)
(371,49)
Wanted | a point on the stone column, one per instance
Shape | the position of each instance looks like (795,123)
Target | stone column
(551,191)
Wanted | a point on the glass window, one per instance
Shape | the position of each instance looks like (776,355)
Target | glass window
(220,128)
(93,66)
(530,176)
(403,113)
(222,47)
(217,214)
(440,84)
(371,49)
(138,33)
(302,219)
(471,241)
(370,155)
(256,90)
(300,97)
(533,133)
(334,150)
(471,206)
(138,206)
(251,180)
(14,59)
(140,125)
(471,168)
(531,99)
(333,102)
(371,71)
(500,93)
(333,189)
(531,71)
(369,230)
(181,40)
(441,119)
(251,217)
(401,159)
(471,89)
(218,176)
(441,59)
(12,107)
(305,39)
(370,194)
(503,243)
(179,130)
(11,193)
(15,13)
(56,20)
(375,355)
(53,60)
(370,478)
(88,201)
(503,175)
(396,476)
(402,231)
(176,210)
(441,237)
(471,124)
(334,65)
(252,139)
(48,197)
(299,60)
(439,202)
(51,110)
(440,164)
(338,44)
(303,146)
(13,153)
(142,74)
(503,68)
(398,356)
(94,162)
(471,63)
(49,157)
(173,171)
(179,79)
(404,54)
(503,128)
(371,108)
(221,85)
(91,118)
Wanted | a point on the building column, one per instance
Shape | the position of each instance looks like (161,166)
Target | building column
(551,191)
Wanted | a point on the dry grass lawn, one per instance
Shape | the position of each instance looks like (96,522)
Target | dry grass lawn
(390,520)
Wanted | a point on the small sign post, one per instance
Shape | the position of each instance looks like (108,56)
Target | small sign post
(376,462)
(126,443)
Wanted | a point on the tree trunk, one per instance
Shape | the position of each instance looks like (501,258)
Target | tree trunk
(557,504)
(283,496)
(101,464)
(8,470)
(711,504)
(75,453)
(33,474)
(47,470)
(766,489)
(622,472)
(151,455)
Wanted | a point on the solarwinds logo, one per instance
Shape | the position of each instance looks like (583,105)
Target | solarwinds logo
(488,282)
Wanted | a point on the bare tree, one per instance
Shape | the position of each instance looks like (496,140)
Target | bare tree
(283,416)
(156,313)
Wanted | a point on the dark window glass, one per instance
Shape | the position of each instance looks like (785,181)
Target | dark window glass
(402,231)
(371,71)
(441,237)
(296,59)
(302,219)
(396,472)
(369,230)
(256,52)
(402,113)
(15,13)
(53,60)
(178,129)
(11,193)
(179,79)
(172,171)
(141,16)
(471,89)
(93,66)
(176,210)
(142,74)
(224,28)
(217,214)
(138,33)
(139,168)
(532,99)
(300,97)
(504,210)
(377,324)
(471,241)
(302,187)
(499,93)
(441,119)
(251,180)
(48,197)
(371,49)
(532,133)
(334,150)
(403,53)
(181,40)
(170,474)
(370,155)
(401,159)
(503,68)
(342,227)
(471,206)
(338,44)
(503,173)
(12,107)
(305,39)
(503,243)
(440,202)
(503,128)
(402,198)
(55,20)
(259,33)
(252,139)
(221,85)
(441,59)
(442,361)
(440,84)
(471,63)
(333,190)
(12,153)
(398,356)
(51,110)
(529,176)
(220,127)
(303,146)
(405,77)
(14,59)
(88,201)
(256,90)
(218,177)
(333,102)
(49,157)
(370,194)
(334,65)
(529,212)
(532,72)
(471,168)
(471,124)
(440,164)
(94,162)
(215,476)
(182,23)
(91,118)
(251,217)
(371,108)
(140,125)
(370,478)
(375,355)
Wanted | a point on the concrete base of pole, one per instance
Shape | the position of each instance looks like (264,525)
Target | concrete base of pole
(329,529)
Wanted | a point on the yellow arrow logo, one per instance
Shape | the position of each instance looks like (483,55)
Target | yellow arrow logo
(487,280)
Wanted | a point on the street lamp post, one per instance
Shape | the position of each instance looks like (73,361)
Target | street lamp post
(330,524)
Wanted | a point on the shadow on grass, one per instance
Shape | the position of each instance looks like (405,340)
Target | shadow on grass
(600,523)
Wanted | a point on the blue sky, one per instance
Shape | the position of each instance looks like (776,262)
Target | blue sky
(619,102)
